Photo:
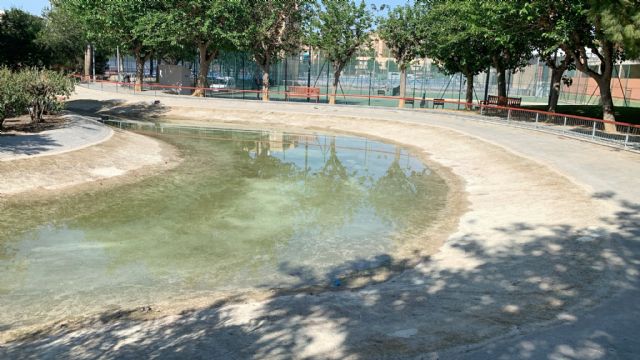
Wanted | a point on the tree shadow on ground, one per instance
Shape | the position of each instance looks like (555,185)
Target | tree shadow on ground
(545,275)
(139,110)
(31,144)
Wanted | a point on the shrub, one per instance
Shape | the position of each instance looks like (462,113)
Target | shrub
(34,91)
(42,88)
(13,101)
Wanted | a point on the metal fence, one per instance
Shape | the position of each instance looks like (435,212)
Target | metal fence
(617,134)
(376,73)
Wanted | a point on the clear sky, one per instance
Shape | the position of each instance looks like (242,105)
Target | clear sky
(36,6)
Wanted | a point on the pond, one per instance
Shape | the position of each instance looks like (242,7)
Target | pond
(244,210)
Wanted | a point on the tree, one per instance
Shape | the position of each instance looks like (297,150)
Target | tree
(209,26)
(18,33)
(552,21)
(612,29)
(42,88)
(398,31)
(502,29)
(608,30)
(453,42)
(32,89)
(341,28)
(137,26)
(64,39)
(274,29)
(12,99)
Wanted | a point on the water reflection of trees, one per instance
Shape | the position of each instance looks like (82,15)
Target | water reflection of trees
(236,201)
(400,194)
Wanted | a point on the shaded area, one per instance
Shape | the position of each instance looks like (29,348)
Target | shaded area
(553,273)
(31,144)
(626,114)
(139,110)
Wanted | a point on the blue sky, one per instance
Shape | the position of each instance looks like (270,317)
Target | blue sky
(36,6)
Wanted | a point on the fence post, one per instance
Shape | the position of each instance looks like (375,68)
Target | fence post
(509,115)
(537,116)
(593,133)
(481,109)
(564,126)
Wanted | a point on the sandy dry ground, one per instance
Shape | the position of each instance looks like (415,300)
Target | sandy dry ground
(82,162)
(545,243)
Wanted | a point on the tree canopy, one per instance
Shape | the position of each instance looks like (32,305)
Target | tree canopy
(398,31)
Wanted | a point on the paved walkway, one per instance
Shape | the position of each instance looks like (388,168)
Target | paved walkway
(78,133)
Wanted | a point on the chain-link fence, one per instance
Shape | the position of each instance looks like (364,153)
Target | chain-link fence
(374,80)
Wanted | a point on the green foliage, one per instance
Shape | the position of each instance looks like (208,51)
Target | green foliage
(33,90)
(18,46)
(619,22)
(214,22)
(450,37)
(12,99)
(398,30)
(340,29)
(275,29)
(64,39)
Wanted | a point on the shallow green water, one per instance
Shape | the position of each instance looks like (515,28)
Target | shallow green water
(245,209)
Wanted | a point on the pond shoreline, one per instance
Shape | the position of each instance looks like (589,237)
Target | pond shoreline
(519,259)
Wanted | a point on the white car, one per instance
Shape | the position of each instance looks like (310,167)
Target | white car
(223,83)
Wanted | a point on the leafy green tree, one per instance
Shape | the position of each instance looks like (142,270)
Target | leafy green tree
(138,26)
(552,24)
(398,31)
(612,32)
(18,34)
(64,39)
(12,99)
(341,28)
(42,88)
(209,26)
(273,30)
(453,41)
(495,25)
(34,90)
(501,28)
(608,30)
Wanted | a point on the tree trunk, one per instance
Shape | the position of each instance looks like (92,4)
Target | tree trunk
(205,59)
(468,98)
(403,86)
(87,62)
(265,84)
(159,59)
(607,102)
(334,87)
(554,90)
(140,60)
(502,83)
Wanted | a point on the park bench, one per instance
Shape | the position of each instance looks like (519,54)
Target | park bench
(438,102)
(303,91)
(503,101)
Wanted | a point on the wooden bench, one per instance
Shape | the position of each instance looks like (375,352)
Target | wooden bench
(303,91)
(438,102)
(503,101)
